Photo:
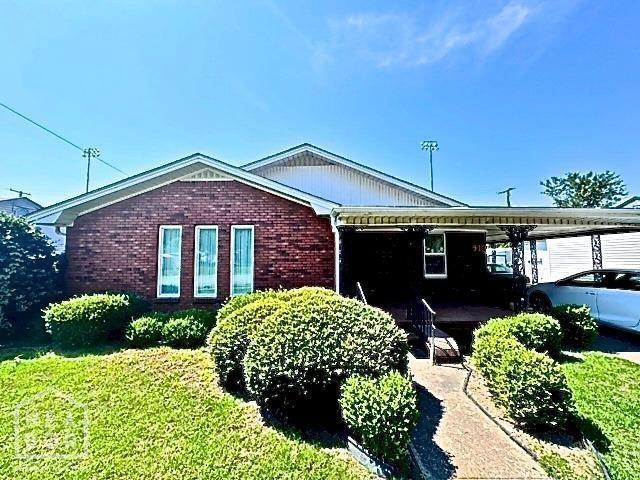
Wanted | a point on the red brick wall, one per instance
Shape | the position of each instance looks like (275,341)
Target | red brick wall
(116,247)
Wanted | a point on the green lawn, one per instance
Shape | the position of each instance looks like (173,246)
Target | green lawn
(607,392)
(154,414)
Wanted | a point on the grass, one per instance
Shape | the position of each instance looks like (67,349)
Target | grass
(607,394)
(151,414)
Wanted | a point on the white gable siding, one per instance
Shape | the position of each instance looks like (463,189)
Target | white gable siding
(621,250)
(343,185)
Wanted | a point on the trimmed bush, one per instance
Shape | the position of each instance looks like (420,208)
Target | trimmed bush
(579,329)
(238,301)
(297,359)
(89,319)
(146,331)
(229,339)
(380,414)
(529,385)
(539,332)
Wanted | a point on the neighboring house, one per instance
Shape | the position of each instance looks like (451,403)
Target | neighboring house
(21,206)
(198,230)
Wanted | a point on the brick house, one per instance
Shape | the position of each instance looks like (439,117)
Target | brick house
(198,230)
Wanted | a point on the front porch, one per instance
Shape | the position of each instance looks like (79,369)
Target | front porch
(428,265)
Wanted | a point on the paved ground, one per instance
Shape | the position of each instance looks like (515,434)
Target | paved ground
(455,439)
(623,344)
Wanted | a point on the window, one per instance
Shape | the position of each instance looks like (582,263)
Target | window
(241,259)
(205,271)
(435,256)
(169,246)
(587,280)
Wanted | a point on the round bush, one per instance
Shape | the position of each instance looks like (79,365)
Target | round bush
(579,329)
(229,339)
(184,332)
(381,414)
(529,385)
(539,332)
(146,331)
(297,359)
(238,301)
(89,319)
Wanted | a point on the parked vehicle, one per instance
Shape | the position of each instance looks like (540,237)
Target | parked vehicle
(612,295)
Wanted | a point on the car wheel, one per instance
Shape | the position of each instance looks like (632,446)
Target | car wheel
(539,302)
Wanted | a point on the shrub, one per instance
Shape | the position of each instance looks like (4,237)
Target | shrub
(529,385)
(381,413)
(539,332)
(30,277)
(146,331)
(229,339)
(297,359)
(239,301)
(579,329)
(89,319)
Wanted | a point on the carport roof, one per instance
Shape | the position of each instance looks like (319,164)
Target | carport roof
(549,222)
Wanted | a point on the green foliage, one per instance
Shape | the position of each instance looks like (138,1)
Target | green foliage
(297,359)
(181,329)
(381,414)
(229,339)
(30,277)
(579,329)
(585,190)
(238,301)
(536,331)
(529,385)
(90,319)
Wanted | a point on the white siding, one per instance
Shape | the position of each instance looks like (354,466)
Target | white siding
(568,256)
(343,185)
(621,250)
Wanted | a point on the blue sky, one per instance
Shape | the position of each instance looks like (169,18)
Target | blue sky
(514,91)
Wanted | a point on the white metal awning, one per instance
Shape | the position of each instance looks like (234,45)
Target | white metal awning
(549,222)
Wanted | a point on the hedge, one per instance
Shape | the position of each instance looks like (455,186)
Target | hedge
(381,414)
(228,341)
(579,329)
(529,385)
(536,331)
(296,360)
(181,329)
(90,319)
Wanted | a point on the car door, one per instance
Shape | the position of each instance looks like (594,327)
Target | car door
(579,290)
(619,301)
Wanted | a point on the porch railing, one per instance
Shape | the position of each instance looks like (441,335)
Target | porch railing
(363,299)
(423,320)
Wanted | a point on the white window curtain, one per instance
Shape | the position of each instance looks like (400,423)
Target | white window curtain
(206,262)
(169,248)
(241,260)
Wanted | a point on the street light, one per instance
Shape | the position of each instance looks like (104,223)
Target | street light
(431,146)
(88,153)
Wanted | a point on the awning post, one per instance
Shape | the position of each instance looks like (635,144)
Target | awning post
(533,250)
(517,234)
(596,252)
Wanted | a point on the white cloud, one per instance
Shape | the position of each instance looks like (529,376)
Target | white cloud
(389,39)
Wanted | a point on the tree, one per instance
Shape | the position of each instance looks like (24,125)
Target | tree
(30,276)
(585,190)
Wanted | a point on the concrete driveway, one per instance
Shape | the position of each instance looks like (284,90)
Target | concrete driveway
(620,343)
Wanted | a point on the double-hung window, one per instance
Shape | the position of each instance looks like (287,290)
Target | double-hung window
(169,258)
(241,259)
(435,255)
(205,278)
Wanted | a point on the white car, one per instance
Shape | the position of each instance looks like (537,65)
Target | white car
(612,295)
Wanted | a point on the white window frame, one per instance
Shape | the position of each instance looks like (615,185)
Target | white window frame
(196,262)
(425,254)
(231,254)
(160,248)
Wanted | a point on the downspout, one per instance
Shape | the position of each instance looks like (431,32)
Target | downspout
(336,249)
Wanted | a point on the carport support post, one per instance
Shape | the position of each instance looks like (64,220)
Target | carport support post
(342,284)
(596,252)
(517,234)
(533,250)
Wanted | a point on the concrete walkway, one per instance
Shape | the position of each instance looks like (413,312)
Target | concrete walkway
(455,439)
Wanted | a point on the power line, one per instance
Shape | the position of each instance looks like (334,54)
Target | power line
(69,142)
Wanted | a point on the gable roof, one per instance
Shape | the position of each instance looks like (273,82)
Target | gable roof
(65,212)
(18,206)
(629,202)
(332,158)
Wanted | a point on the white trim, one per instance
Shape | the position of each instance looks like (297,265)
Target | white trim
(190,177)
(231,253)
(160,245)
(196,262)
(425,254)
(336,159)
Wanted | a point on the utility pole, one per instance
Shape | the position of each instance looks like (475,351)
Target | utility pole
(88,153)
(508,194)
(431,146)
(21,193)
